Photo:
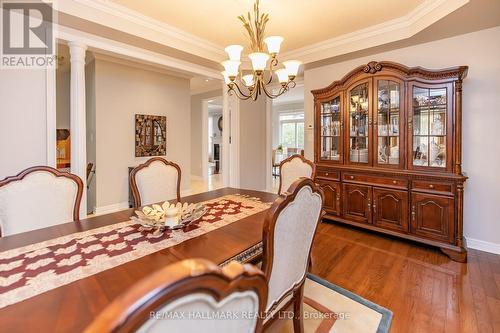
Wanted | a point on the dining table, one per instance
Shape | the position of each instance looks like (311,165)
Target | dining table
(49,304)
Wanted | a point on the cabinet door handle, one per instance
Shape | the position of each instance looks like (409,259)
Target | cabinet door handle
(338,197)
(431,186)
(326,173)
(413,212)
(394,182)
(374,208)
(369,204)
(352,177)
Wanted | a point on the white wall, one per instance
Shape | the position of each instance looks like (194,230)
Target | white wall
(91,131)
(481,117)
(63,79)
(122,92)
(23,120)
(252,144)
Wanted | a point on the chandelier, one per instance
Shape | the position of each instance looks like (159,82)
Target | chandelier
(259,81)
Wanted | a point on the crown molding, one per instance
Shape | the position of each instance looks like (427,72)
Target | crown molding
(126,51)
(132,22)
(400,28)
(151,67)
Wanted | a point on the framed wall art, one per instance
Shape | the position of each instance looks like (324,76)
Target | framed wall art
(150,135)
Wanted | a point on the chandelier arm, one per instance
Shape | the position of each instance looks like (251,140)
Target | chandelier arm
(281,91)
(238,92)
(273,63)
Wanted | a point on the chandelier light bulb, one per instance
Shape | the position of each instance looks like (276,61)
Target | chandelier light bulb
(282,75)
(273,44)
(248,80)
(232,68)
(259,61)
(234,52)
(292,67)
(227,80)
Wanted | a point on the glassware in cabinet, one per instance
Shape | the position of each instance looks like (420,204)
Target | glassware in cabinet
(388,121)
(359,121)
(430,109)
(331,130)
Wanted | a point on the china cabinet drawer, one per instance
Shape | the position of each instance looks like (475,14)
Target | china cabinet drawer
(375,180)
(430,186)
(327,174)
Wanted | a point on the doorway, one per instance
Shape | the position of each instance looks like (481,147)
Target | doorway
(212,144)
(287,128)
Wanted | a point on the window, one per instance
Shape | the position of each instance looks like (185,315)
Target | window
(292,130)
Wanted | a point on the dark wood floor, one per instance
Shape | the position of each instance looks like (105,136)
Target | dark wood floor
(426,291)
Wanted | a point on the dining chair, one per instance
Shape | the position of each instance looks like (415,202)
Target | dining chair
(294,167)
(288,234)
(38,197)
(154,181)
(165,300)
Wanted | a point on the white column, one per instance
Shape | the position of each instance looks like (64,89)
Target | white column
(78,118)
(226,132)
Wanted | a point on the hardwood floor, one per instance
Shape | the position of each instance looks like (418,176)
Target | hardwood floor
(426,291)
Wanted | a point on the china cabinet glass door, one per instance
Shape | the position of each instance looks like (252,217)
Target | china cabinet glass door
(331,130)
(388,120)
(430,126)
(359,123)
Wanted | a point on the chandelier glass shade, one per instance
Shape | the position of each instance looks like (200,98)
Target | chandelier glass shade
(264,73)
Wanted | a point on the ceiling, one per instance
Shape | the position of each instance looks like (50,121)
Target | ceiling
(301,22)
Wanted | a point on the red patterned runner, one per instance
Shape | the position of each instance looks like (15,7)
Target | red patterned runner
(31,270)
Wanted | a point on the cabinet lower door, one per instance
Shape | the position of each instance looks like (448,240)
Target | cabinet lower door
(357,203)
(390,209)
(331,202)
(433,217)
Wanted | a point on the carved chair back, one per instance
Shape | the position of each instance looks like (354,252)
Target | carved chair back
(154,181)
(163,301)
(38,197)
(288,234)
(294,167)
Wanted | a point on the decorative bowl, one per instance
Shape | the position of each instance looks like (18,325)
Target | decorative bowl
(168,216)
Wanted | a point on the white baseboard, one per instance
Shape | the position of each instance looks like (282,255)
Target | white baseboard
(111,208)
(483,246)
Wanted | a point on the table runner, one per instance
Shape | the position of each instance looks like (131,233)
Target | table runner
(33,269)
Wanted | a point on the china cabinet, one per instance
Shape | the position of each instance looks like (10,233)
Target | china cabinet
(388,151)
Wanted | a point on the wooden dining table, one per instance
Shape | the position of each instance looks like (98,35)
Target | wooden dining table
(71,307)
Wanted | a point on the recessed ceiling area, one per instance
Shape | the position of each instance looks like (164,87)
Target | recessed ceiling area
(301,22)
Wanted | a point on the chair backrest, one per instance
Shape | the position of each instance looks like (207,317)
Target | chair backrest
(294,167)
(38,197)
(288,234)
(193,287)
(154,181)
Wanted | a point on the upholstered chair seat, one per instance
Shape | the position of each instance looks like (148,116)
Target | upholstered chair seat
(288,235)
(155,181)
(292,168)
(38,197)
(189,296)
